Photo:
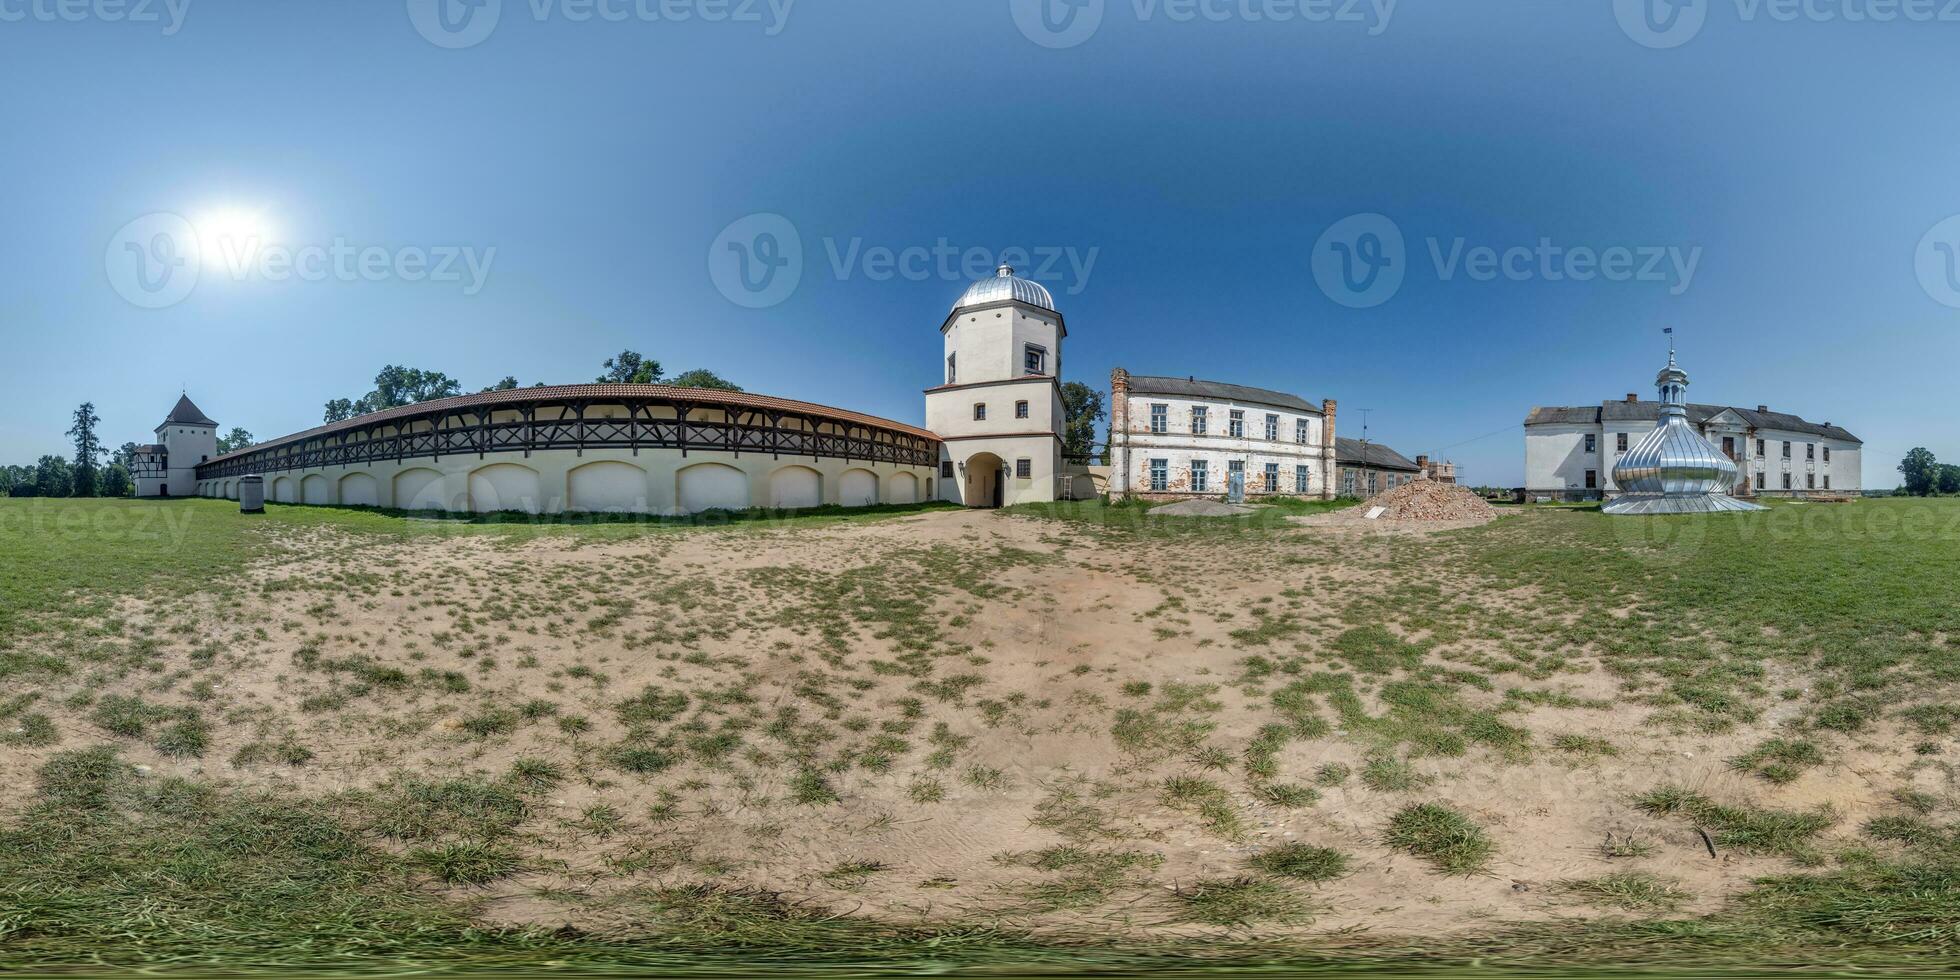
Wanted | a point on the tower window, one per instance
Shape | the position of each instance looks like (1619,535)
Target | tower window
(1160,419)
(1024,469)
(1036,359)
(1021,410)
(1620,442)
(952,369)
(979,411)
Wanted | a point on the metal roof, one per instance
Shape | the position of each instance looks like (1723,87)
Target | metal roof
(602,393)
(1373,455)
(186,413)
(1144,384)
(1650,411)
(1005,285)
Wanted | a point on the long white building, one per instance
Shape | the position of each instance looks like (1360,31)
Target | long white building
(1182,437)
(1570,451)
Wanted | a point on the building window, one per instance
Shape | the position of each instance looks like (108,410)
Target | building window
(1160,419)
(1036,359)
(1371,482)
(1272,428)
(1024,469)
(952,369)
(1810,450)
(946,468)
(1198,419)
(1160,475)
(1592,479)
(1300,479)
(1620,442)
(1592,443)
(1762,482)
(979,411)
(1347,483)
(1272,477)
(1810,481)
(1236,426)
(1827,481)
(1020,410)
(1827,454)
(1300,431)
(1786,479)
(1200,475)
(1786,449)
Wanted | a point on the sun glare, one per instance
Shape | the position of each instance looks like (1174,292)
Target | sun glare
(233,231)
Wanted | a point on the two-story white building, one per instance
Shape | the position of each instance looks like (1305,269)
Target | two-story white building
(1182,437)
(1570,451)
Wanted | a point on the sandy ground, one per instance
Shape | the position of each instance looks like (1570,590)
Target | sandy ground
(1050,620)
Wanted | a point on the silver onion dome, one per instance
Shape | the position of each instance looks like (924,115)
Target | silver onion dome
(1004,286)
(1673,470)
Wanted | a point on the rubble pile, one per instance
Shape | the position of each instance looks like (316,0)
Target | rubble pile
(1424,501)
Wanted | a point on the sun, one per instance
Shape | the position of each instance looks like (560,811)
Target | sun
(232,230)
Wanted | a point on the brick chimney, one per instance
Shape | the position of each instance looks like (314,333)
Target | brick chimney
(1633,398)
(1422,467)
(1328,409)
(1119,433)
(1763,408)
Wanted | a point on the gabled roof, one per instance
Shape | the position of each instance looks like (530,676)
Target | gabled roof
(1650,411)
(186,414)
(1373,455)
(1144,384)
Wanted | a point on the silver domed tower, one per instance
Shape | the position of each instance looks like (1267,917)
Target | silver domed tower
(1673,470)
(1005,286)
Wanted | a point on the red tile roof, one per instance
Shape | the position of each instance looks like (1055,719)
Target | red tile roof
(591,392)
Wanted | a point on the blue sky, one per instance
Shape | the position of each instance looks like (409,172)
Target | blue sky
(1189,159)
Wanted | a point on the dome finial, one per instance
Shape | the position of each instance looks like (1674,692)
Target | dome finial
(1004,271)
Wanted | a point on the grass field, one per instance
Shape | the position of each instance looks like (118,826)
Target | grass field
(612,730)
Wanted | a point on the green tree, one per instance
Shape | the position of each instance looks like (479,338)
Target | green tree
(1082,408)
(84,475)
(52,477)
(125,456)
(235,440)
(1949,481)
(508,383)
(630,368)
(338,410)
(703,378)
(116,481)
(1921,471)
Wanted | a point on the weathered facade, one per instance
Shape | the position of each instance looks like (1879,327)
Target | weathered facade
(1181,437)
(1369,468)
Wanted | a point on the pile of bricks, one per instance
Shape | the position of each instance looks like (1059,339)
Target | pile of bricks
(1427,500)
